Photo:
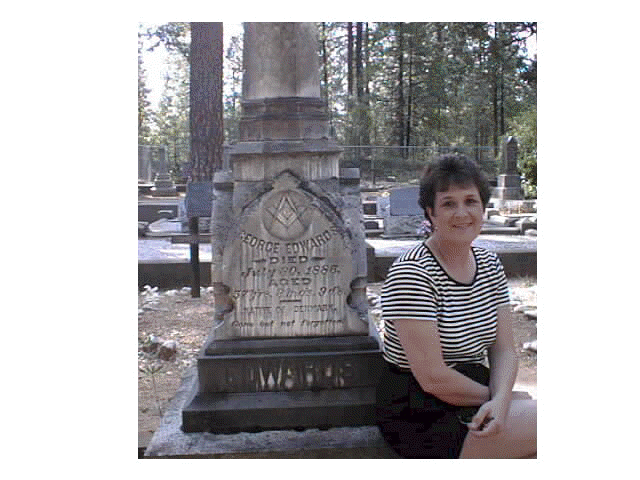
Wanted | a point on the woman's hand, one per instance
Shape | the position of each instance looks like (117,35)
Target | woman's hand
(490,418)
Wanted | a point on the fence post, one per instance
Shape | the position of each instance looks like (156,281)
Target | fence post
(194,247)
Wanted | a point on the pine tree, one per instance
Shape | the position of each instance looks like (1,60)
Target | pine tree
(207,131)
(144,129)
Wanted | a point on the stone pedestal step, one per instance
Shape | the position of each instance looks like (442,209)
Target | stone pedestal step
(254,412)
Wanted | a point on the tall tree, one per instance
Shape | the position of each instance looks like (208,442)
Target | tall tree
(349,58)
(173,35)
(232,87)
(171,120)
(143,100)
(400,106)
(206,99)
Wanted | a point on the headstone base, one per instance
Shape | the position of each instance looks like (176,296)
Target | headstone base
(170,441)
(509,188)
(163,186)
(288,383)
(257,412)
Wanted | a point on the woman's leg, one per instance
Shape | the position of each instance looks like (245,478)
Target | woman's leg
(518,439)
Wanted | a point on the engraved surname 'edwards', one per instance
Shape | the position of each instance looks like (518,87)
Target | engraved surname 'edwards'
(284,374)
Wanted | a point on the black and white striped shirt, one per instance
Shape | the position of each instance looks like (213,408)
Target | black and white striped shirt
(418,287)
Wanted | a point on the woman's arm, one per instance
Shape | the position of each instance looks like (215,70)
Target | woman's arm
(502,357)
(421,342)
(504,368)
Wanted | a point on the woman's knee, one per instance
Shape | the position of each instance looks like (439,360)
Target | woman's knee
(517,439)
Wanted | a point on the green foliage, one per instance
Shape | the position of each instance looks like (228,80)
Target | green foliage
(524,128)
(151,371)
(175,36)
(420,84)
(432,82)
(171,119)
(232,87)
(144,128)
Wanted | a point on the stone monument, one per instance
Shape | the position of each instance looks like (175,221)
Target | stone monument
(402,215)
(509,183)
(291,346)
(145,174)
(163,185)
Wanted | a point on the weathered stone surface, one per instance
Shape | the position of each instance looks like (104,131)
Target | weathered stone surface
(289,270)
(280,60)
(170,441)
(282,118)
(509,157)
(527,223)
(250,165)
(288,260)
(403,226)
(198,199)
(286,365)
(142,228)
(404,201)
(509,182)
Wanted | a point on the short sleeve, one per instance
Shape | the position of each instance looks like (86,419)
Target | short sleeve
(502,290)
(408,293)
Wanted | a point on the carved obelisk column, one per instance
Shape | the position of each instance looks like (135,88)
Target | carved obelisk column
(291,345)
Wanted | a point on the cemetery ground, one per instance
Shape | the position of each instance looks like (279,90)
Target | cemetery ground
(182,323)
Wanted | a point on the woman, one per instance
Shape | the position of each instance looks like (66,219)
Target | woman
(446,310)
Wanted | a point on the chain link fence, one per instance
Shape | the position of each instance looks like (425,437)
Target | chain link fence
(381,163)
(377,163)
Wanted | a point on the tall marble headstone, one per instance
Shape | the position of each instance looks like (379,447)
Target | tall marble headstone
(509,182)
(291,345)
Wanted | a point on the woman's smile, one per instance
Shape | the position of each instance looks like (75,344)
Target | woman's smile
(458,213)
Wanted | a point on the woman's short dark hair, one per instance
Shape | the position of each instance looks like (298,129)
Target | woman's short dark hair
(450,169)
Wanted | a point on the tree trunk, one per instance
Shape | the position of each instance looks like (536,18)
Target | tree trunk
(400,105)
(359,106)
(325,75)
(325,62)
(205,116)
(358,61)
(364,101)
(407,138)
(495,54)
(502,125)
(349,59)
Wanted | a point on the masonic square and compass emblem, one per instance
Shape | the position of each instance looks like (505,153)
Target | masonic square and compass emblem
(287,214)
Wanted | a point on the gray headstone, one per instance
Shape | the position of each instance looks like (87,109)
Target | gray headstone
(198,199)
(145,172)
(510,156)
(404,201)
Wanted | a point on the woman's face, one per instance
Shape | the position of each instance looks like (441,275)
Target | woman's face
(457,214)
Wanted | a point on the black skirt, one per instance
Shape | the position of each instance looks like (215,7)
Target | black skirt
(416,424)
